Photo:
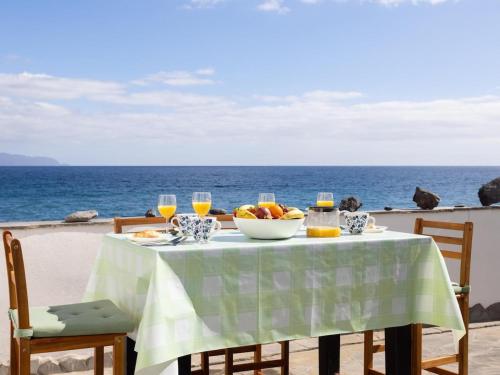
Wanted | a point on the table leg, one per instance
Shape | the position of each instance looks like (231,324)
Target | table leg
(131,356)
(329,354)
(184,364)
(398,350)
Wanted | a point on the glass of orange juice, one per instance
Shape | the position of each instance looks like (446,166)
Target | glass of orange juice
(167,204)
(266,200)
(325,200)
(202,201)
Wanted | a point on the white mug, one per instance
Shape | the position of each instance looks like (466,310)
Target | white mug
(204,228)
(357,222)
(184,223)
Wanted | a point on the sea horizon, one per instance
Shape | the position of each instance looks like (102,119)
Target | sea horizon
(132,190)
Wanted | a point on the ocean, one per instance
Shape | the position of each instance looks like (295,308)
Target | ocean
(50,193)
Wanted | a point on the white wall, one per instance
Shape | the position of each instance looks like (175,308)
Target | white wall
(59,258)
(485,260)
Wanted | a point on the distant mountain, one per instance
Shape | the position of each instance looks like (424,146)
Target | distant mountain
(24,160)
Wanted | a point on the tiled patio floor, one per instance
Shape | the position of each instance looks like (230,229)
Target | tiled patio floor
(484,356)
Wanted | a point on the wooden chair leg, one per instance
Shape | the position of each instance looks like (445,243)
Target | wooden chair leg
(285,357)
(416,349)
(228,369)
(257,358)
(99,360)
(14,350)
(205,363)
(119,355)
(463,344)
(24,356)
(368,352)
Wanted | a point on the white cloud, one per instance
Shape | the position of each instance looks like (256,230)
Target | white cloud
(317,126)
(276,6)
(206,71)
(197,4)
(179,78)
(43,86)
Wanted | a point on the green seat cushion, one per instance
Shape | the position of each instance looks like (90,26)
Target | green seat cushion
(80,319)
(460,289)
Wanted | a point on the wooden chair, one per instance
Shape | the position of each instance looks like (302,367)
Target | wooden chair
(120,222)
(58,328)
(230,366)
(462,293)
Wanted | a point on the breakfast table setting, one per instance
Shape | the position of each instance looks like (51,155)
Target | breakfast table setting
(281,275)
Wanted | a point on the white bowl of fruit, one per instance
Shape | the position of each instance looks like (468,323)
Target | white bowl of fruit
(268,223)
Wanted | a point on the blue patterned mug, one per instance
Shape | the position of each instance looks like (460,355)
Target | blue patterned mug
(184,223)
(357,222)
(205,227)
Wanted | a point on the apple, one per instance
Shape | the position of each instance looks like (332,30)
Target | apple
(263,213)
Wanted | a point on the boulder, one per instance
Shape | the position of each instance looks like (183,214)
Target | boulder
(494,311)
(218,211)
(478,314)
(425,199)
(150,213)
(73,363)
(80,216)
(490,193)
(350,204)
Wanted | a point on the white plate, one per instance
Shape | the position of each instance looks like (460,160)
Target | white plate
(377,229)
(163,237)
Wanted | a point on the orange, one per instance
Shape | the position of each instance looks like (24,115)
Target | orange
(276,211)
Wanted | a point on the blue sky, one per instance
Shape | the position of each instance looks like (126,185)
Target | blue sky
(251,82)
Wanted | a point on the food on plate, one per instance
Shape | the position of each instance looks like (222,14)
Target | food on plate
(263,213)
(245,214)
(293,214)
(276,211)
(147,234)
(249,207)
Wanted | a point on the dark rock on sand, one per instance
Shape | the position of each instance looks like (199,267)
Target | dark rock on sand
(350,204)
(150,213)
(494,311)
(478,314)
(218,211)
(425,199)
(490,193)
(80,216)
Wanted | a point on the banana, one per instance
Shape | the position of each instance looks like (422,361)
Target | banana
(245,214)
(247,207)
(293,214)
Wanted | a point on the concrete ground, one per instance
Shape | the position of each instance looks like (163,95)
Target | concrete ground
(484,357)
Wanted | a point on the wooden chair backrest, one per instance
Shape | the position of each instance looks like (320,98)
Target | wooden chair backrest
(120,222)
(18,292)
(464,241)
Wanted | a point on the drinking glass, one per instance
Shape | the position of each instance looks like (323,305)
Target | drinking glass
(202,201)
(266,200)
(325,200)
(167,204)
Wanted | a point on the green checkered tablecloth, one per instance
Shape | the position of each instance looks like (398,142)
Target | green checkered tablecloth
(235,291)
